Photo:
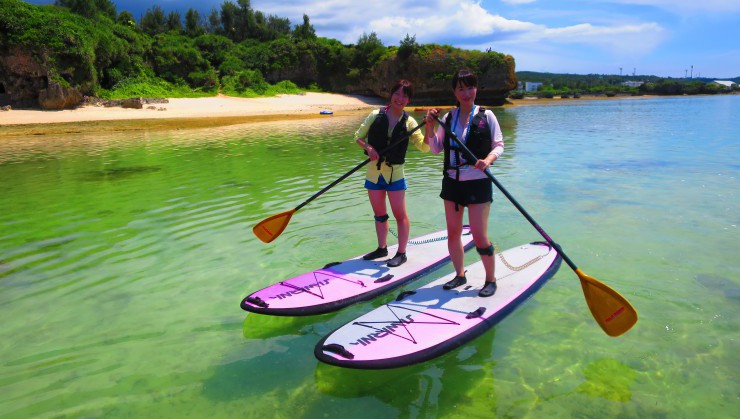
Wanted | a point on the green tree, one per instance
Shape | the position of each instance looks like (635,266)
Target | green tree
(368,51)
(407,47)
(277,26)
(215,48)
(305,30)
(214,22)
(153,22)
(89,8)
(176,59)
(334,59)
(125,18)
(253,55)
(246,24)
(174,22)
(229,20)
(283,56)
(193,24)
(243,81)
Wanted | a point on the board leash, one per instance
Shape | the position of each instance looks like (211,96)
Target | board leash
(418,242)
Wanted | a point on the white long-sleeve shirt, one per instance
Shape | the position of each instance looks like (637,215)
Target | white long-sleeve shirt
(460,128)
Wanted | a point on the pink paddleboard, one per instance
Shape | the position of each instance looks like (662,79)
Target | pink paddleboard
(340,284)
(430,321)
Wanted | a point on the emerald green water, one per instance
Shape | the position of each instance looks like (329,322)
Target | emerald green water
(123,259)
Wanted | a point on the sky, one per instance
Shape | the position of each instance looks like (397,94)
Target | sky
(667,38)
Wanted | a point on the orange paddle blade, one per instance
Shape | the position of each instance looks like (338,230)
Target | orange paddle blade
(268,229)
(612,312)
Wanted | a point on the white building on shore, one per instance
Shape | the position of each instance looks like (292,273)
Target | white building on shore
(726,83)
(532,86)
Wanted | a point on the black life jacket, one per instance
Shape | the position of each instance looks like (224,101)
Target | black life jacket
(478,141)
(378,138)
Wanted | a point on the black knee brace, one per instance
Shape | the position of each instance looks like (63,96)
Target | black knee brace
(381,218)
(485,251)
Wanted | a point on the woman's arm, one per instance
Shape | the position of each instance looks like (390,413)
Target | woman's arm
(417,138)
(361,134)
(497,138)
(435,139)
(497,143)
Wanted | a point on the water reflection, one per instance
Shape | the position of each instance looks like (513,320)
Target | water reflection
(423,390)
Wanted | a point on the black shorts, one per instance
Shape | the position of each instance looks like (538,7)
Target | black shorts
(477,191)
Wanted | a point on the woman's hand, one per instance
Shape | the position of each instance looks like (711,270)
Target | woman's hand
(484,164)
(431,122)
(372,153)
(369,150)
(431,114)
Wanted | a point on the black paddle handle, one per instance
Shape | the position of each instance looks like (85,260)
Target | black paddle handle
(359,166)
(511,199)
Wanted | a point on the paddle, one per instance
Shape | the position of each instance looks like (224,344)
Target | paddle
(610,309)
(268,229)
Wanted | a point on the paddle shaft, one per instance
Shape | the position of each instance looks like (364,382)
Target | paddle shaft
(358,167)
(512,200)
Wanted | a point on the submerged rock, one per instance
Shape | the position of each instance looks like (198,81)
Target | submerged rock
(721,284)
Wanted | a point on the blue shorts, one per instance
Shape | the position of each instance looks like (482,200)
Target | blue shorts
(382,185)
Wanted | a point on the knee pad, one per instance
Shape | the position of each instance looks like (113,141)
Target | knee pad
(381,218)
(485,251)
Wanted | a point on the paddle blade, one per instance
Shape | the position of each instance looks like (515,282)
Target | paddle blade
(612,312)
(268,229)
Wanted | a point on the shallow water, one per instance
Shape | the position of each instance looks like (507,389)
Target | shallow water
(123,259)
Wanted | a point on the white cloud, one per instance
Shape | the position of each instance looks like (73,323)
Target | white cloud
(626,39)
(442,27)
(616,41)
(517,2)
(467,24)
(457,22)
(687,6)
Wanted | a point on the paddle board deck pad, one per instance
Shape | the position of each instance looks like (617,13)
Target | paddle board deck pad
(430,321)
(340,284)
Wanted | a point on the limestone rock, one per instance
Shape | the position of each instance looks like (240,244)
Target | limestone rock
(21,77)
(56,97)
(432,78)
(133,103)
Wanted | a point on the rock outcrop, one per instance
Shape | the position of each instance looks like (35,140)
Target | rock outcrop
(25,81)
(432,77)
(57,97)
(133,103)
(22,77)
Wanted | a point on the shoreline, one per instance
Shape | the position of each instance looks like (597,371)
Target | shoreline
(192,113)
(180,113)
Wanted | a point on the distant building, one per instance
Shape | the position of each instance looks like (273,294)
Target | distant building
(726,83)
(532,86)
(632,83)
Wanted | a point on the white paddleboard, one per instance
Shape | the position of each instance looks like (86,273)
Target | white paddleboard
(430,321)
(340,284)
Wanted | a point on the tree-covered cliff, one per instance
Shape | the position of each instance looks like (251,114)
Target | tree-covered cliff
(52,55)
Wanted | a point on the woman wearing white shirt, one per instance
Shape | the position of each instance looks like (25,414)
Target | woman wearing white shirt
(465,183)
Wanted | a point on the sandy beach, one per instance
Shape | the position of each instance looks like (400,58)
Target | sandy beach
(181,113)
(199,113)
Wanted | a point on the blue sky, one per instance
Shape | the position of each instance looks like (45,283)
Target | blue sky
(651,37)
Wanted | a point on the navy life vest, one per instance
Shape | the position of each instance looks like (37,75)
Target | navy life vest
(378,138)
(478,141)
